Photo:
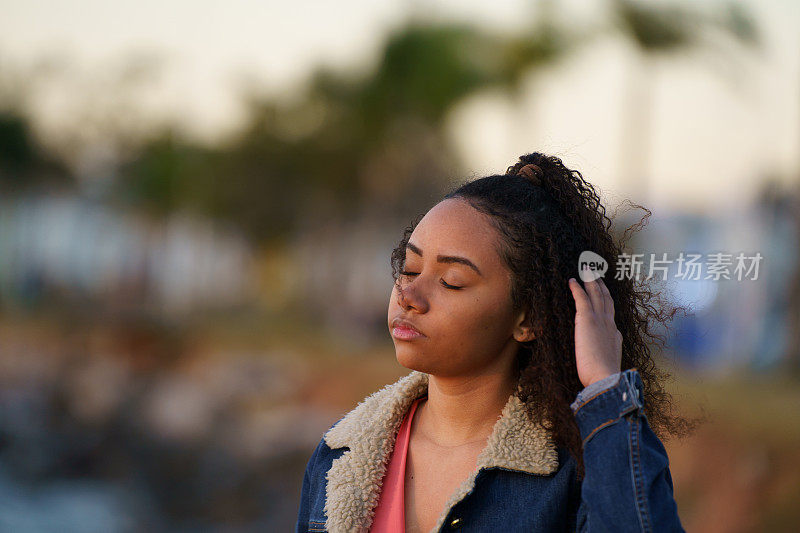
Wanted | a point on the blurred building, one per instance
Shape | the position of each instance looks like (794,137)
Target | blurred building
(731,323)
(54,247)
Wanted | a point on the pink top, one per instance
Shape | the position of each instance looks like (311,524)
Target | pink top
(390,515)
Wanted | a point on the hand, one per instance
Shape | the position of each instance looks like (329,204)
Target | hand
(598,342)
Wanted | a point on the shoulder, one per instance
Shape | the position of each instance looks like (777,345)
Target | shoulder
(323,455)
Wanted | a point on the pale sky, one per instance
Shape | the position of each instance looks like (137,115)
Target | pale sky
(713,132)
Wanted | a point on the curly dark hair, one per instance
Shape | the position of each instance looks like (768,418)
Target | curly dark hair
(546,215)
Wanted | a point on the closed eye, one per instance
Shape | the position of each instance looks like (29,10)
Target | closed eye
(446,285)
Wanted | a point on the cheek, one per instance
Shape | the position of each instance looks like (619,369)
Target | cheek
(479,321)
(393,298)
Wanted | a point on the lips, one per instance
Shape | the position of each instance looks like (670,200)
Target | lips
(402,323)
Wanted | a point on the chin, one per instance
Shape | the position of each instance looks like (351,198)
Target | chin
(422,362)
(412,359)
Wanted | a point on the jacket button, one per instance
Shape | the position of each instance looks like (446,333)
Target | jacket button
(456,523)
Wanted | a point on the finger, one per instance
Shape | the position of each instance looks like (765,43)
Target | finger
(595,295)
(582,303)
(609,300)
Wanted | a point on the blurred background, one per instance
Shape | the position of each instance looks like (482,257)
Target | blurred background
(198,201)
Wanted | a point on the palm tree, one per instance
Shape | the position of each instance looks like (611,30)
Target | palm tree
(655,31)
(376,139)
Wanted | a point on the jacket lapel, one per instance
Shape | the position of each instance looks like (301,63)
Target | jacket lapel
(369,430)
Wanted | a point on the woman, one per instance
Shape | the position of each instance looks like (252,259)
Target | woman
(525,406)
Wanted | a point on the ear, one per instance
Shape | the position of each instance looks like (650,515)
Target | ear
(524,328)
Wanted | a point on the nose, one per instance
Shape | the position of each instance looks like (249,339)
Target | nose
(409,296)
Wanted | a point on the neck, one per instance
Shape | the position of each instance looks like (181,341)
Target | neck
(463,410)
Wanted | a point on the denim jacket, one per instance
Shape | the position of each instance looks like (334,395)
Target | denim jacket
(523,481)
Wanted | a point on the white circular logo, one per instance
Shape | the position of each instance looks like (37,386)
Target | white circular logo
(591,266)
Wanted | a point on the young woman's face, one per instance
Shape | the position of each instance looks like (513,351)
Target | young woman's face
(465,331)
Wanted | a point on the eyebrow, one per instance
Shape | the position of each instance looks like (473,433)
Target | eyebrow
(446,258)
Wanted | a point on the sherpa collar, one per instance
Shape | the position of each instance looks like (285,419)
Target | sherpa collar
(370,429)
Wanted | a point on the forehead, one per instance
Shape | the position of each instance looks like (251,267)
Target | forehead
(454,227)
